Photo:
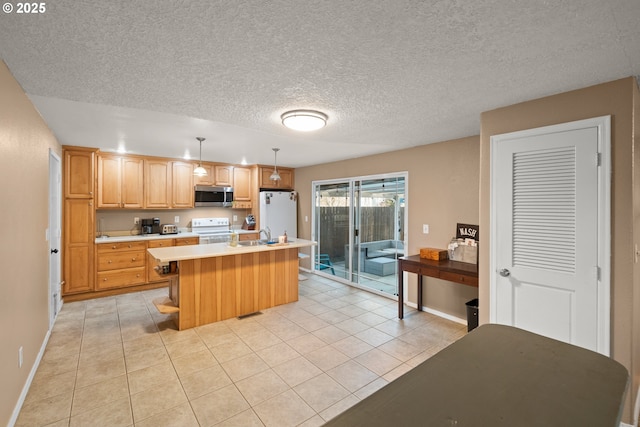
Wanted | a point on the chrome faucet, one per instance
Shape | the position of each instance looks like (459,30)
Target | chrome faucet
(267,232)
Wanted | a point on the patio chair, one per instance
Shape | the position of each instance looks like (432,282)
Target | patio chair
(323,261)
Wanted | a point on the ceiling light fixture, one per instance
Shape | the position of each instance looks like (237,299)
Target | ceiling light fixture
(200,171)
(275,176)
(304,120)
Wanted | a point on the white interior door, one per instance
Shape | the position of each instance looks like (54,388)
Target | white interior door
(54,234)
(550,223)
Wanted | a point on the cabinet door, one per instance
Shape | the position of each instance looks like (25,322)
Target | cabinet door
(224,175)
(109,181)
(79,224)
(182,185)
(78,174)
(157,184)
(242,184)
(287,179)
(132,190)
(208,179)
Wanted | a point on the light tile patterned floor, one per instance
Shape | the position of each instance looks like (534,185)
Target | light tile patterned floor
(117,362)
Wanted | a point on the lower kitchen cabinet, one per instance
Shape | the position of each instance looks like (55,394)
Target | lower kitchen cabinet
(120,265)
(152,273)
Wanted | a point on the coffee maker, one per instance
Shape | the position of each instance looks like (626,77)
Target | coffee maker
(150,226)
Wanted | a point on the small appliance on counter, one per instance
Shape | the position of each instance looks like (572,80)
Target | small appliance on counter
(249,222)
(150,226)
(168,229)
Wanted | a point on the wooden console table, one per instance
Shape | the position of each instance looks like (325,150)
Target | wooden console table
(453,271)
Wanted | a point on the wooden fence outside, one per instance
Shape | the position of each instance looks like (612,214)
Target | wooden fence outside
(377,223)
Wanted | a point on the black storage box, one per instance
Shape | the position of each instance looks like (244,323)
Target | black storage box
(472,314)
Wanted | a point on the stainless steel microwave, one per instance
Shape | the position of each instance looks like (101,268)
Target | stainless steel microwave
(206,195)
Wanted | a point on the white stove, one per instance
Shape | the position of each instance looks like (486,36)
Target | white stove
(211,230)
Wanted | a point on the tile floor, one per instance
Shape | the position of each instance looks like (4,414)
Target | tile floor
(117,362)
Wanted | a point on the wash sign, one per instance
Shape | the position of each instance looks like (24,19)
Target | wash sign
(467,231)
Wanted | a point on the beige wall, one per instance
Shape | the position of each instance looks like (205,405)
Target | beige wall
(24,254)
(615,99)
(442,191)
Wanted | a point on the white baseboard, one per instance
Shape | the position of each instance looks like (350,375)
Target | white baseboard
(625,425)
(27,384)
(438,313)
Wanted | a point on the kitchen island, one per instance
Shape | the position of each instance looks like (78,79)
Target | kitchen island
(214,282)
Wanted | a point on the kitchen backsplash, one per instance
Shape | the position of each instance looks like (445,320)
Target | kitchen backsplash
(121,220)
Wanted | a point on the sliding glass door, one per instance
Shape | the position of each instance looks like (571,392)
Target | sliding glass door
(359,225)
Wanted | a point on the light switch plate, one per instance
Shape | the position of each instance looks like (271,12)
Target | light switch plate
(425,228)
(176,219)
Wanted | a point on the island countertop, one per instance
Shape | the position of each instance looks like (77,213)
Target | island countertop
(180,253)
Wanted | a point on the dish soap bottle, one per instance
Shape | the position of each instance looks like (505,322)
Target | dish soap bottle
(285,236)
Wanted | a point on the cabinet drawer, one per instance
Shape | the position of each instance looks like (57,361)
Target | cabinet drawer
(163,243)
(185,241)
(119,260)
(121,246)
(120,278)
(459,278)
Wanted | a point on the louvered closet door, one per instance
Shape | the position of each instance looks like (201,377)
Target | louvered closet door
(546,205)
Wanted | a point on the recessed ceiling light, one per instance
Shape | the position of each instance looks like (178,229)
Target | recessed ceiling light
(304,120)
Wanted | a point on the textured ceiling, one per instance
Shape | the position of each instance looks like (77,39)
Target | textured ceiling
(152,75)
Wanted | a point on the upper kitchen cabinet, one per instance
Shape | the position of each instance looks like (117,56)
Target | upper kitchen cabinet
(120,182)
(157,184)
(285,182)
(242,184)
(168,184)
(223,175)
(217,174)
(79,173)
(208,179)
(182,185)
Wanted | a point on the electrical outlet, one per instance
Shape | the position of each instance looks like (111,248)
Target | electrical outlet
(425,228)
(176,219)
(136,220)
(20,357)
(306,218)
(235,218)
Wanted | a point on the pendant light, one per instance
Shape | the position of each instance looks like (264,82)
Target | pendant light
(200,171)
(275,176)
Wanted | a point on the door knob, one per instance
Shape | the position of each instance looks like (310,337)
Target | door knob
(505,273)
(54,251)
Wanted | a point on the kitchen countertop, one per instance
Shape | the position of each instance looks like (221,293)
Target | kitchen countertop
(144,237)
(179,253)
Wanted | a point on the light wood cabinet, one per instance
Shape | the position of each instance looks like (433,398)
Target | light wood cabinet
(157,184)
(79,174)
(120,182)
(168,184)
(152,273)
(285,183)
(223,175)
(186,241)
(242,184)
(120,265)
(79,232)
(217,174)
(207,179)
(182,185)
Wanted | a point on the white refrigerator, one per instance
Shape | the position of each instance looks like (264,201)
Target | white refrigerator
(278,212)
